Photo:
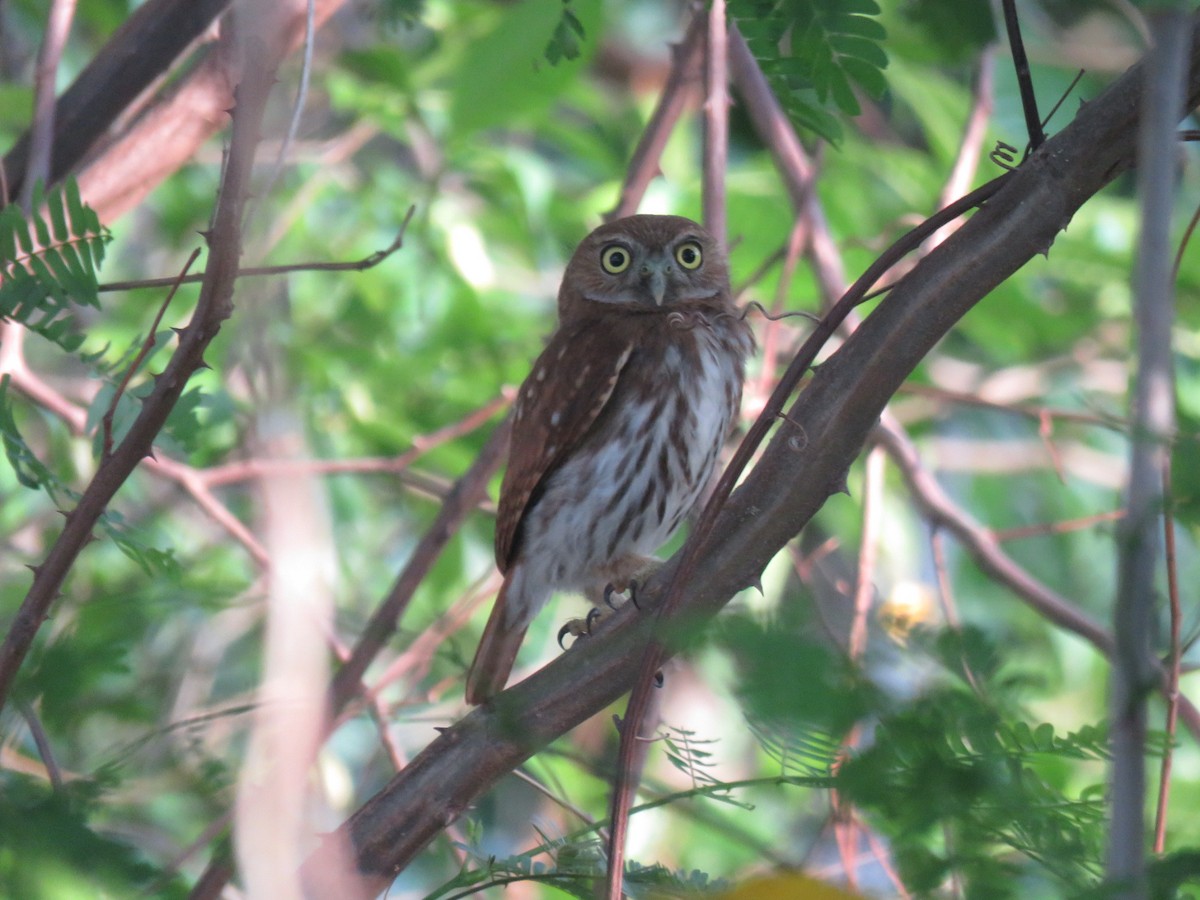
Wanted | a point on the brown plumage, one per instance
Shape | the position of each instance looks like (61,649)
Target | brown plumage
(618,427)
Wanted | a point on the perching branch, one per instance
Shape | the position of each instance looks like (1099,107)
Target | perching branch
(803,464)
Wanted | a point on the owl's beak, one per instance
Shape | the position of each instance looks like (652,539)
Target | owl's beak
(654,277)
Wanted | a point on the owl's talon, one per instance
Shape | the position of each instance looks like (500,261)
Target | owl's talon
(658,679)
(594,615)
(633,592)
(577,628)
(609,590)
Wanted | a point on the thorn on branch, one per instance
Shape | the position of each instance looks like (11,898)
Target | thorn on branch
(106,421)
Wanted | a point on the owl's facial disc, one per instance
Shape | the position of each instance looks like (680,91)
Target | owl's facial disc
(650,277)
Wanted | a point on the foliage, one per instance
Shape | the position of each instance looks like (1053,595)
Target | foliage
(815,52)
(47,267)
(968,736)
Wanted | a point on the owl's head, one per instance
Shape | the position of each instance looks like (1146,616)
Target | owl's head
(644,264)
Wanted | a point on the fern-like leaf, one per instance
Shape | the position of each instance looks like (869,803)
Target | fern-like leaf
(48,261)
(815,52)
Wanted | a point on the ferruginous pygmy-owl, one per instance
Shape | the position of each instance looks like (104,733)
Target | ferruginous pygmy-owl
(617,429)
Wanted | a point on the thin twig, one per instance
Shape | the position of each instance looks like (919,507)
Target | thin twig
(41,140)
(359,265)
(250,469)
(1031,411)
(384,621)
(42,741)
(864,585)
(1174,657)
(798,238)
(1033,122)
(941,511)
(716,122)
(106,420)
(966,164)
(415,660)
(1184,242)
(1067,525)
(192,480)
(285,145)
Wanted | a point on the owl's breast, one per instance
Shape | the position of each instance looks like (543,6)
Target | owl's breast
(645,463)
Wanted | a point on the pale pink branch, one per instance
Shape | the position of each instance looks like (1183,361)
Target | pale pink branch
(192,480)
(716,122)
(643,167)
(58,25)
(251,469)
(864,586)
(1067,525)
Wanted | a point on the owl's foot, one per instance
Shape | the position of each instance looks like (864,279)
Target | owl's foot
(581,628)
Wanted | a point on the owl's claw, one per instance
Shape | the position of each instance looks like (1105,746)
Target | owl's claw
(574,628)
(658,679)
(579,628)
(609,590)
(631,591)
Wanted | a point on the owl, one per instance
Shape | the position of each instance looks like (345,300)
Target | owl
(618,427)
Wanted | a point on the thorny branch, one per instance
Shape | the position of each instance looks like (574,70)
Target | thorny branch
(106,421)
(214,306)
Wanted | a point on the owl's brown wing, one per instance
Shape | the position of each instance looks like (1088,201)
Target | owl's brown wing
(556,406)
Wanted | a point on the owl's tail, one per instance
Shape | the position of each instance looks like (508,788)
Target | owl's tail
(496,654)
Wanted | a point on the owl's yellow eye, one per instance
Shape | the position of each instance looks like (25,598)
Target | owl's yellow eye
(615,259)
(689,255)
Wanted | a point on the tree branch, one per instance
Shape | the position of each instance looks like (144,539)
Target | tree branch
(644,164)
(188,113)
(213,307)
(149,42)
(1152,415)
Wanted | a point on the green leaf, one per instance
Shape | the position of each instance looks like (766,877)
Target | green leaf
(833,45)
(501,82)
(30,470)
(41,281)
